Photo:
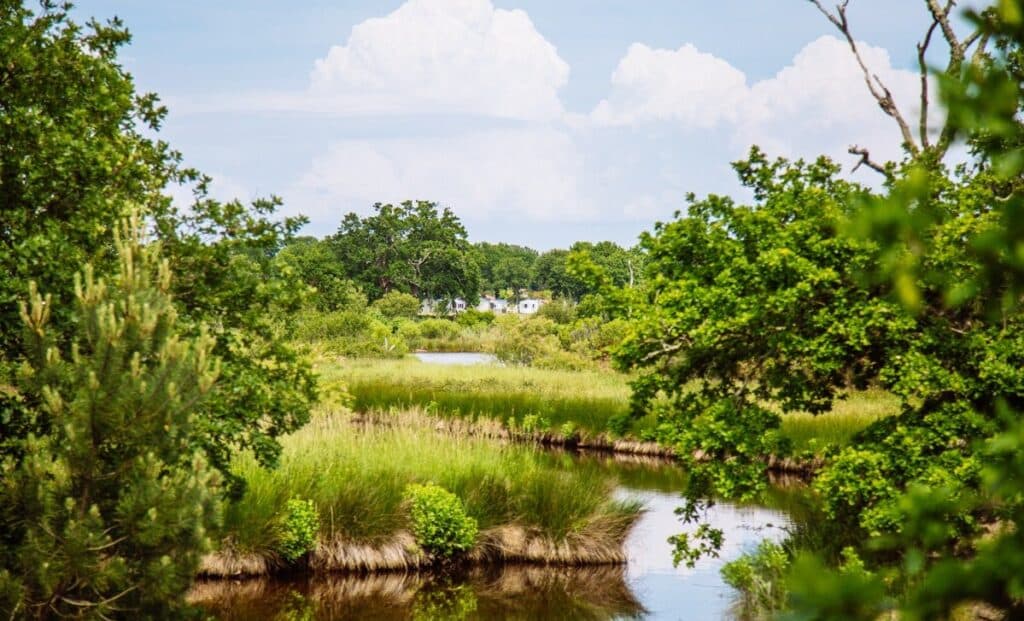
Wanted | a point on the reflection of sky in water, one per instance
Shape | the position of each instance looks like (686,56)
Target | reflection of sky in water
(685,593)
(456,358)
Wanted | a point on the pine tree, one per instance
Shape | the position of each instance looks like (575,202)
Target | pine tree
(107,514)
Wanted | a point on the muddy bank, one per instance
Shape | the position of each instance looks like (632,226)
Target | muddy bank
(600,543)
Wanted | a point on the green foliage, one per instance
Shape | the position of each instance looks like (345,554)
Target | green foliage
(760,577)
(109,512)
(438,329)
(298,529)
(350,333)
(504,266)
(560,311)
(475,318)
(313,262)
(439,521)
(411,247)
(397,305)
(521,341)
(76,157)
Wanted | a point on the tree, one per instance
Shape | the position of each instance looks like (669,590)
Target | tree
(411,248)
(107,514)
(820,284)
(75,158)
(314,263)
(550,272)
(512,273)
(511,258)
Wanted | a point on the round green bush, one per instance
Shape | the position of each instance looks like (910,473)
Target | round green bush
(439,520)
(298,528)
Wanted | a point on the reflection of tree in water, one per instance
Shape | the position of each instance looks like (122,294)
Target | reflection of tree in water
(506,593)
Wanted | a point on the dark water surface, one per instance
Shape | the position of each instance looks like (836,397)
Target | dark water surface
(647,587)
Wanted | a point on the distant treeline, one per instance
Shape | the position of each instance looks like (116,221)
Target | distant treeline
(421,249)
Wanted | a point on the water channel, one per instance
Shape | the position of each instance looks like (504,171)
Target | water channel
(648,586)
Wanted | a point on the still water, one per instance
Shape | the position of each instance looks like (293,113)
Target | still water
(455,358)
(647,587)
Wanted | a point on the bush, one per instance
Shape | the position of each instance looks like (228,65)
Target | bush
(759,576)
(560,311)
(298,529)
(396,304)
(523,341)
(439,521)
(438,329)
(473,317)
(350,333)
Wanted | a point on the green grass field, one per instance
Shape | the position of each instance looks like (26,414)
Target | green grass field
(587,400)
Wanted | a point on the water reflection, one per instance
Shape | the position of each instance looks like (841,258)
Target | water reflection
(510,593)
(456,358)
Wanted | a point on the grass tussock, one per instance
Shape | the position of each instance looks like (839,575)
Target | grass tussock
(357,476)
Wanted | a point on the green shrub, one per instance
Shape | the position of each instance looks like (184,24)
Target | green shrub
(473,318)
(395,305)
(521,341)
(438,329)
(535,423)
(298,528)
(561,311)
(759,576)
(350,333)
(439,520)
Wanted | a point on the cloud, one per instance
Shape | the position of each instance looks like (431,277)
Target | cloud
(461,56)
(686,85)
(525,174)
(818,104)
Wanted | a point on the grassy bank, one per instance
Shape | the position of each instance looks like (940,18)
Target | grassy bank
(527,505)
(587,400)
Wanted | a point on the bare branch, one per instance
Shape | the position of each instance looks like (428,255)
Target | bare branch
(865,160)
(941,15)
(875,85)
(922,49)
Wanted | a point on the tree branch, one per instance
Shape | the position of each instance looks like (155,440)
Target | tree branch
(941,15)
(922,49)
(865,160)
(875,85)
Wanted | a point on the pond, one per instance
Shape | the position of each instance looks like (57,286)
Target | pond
(456,358)
(647,587)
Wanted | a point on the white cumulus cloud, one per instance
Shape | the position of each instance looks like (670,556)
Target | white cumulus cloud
(818,104)
(461,56)
(686,85)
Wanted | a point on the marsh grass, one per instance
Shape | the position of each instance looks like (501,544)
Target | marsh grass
(814,433)
(357,477)
(587,400)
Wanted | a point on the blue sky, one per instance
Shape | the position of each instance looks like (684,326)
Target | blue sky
(538,122)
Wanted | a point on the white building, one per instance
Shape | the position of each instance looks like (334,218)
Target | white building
(529,306)
(492,304)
